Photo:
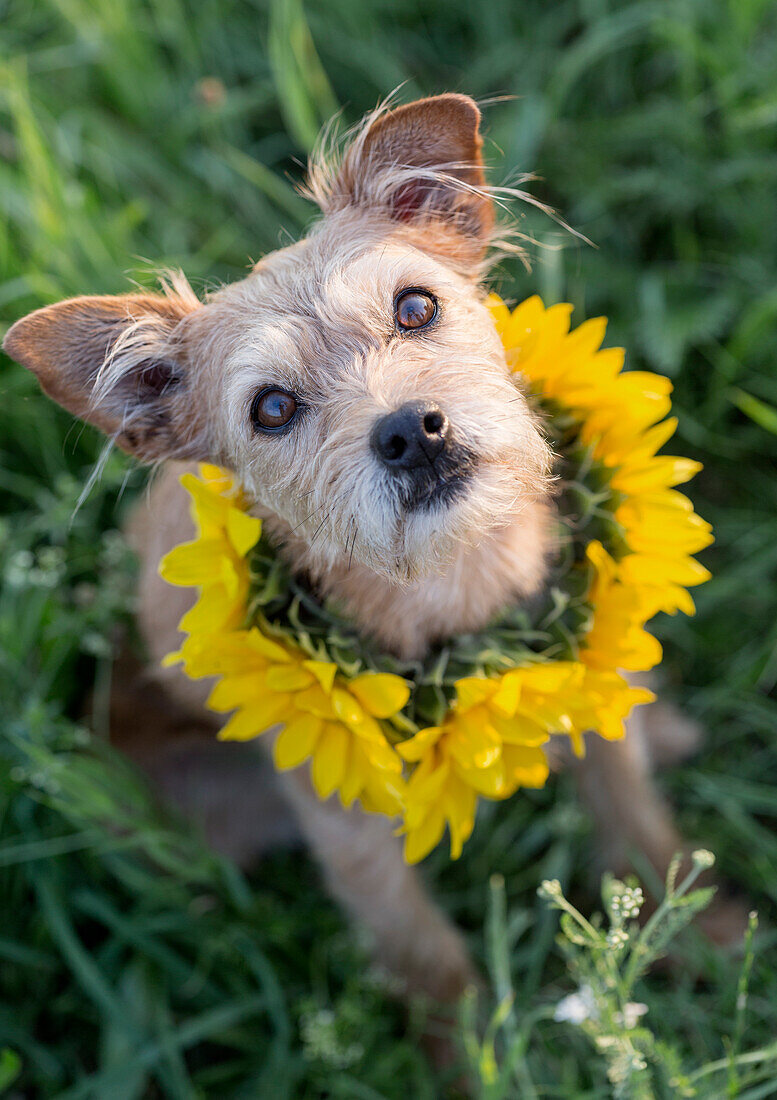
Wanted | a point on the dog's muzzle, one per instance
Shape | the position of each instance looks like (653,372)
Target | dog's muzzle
(415,444)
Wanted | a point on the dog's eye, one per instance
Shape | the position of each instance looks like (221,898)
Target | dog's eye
(272,409)
(414,309)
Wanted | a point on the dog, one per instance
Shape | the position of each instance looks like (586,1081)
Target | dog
(355,385)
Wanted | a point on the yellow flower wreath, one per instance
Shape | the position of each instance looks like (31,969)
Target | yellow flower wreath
(491,740)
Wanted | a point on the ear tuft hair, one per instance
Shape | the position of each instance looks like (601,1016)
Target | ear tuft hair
(420,163)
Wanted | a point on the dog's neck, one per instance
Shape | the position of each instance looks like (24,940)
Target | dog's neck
(507,566)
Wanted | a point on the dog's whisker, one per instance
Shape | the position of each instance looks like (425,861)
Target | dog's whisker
(319,529)
(309,516)
(353,542)
(315,511)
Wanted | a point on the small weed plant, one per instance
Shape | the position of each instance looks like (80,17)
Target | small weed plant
(606,957)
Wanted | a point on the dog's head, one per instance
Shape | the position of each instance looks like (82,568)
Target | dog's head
(353,381)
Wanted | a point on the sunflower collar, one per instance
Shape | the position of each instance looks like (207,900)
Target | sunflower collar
(422,740)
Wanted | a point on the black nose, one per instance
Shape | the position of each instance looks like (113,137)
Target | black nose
(412,436)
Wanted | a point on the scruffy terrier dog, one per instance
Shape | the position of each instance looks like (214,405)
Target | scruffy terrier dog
(355,384)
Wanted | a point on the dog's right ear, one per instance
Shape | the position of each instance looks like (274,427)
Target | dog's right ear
(120,364)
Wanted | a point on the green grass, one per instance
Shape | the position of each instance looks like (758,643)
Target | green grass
(133,963)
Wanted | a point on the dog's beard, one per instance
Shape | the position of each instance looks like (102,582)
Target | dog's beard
(404,540)
(429,539)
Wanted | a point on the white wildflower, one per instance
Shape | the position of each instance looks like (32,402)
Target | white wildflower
(628,903)
(577,1007)
(322,1042)
(617,939)
(631,1015)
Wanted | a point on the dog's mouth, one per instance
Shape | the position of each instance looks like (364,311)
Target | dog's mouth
(441,494)
(441,484)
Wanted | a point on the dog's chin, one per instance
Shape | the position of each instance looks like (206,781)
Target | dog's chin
(451,519)
(419,541)
(433,526)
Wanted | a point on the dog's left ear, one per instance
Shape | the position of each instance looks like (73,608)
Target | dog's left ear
(118,363)
(421,164)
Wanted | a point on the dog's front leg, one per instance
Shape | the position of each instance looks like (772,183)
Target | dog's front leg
(628,810)
(631,815)
(363,866)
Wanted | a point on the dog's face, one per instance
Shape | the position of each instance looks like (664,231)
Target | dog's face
(354,381)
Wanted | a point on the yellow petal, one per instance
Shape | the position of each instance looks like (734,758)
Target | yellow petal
(356,772)
(315,701)
(368,729)
(228,653)
(657,473)
(382,795)
(415,747)
(346,707)
(472,690)
(380,693)
(492,781)
(499,312)
(652,570)
(212,612)
(519,730)
(296,741)
(243,530)
(288,678)
(420,841)
(233,691)
(519,332)
(505,698)
(459,806)
(193,563)
(382,756)
(586,339)
(427,781)
(324,672)
(473,740)
(216,478)
(526,766)
(255,719)
(208,507)
(330,759)
(675,598)
(263,645)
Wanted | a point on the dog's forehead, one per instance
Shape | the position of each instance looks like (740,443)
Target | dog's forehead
(320,310)
(326,281)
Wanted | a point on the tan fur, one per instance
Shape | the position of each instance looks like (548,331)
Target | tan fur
(170,377)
